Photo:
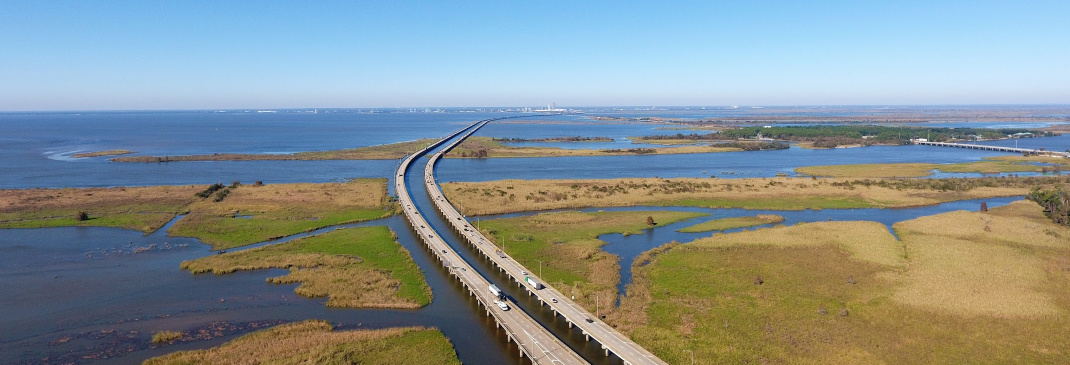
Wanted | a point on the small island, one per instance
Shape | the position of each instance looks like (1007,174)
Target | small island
(360,267)
(381,152)
(296,343)
(831,136)
(102,153)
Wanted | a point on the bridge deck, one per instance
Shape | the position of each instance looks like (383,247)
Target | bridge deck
(591,326)
(534,341)
(994,148)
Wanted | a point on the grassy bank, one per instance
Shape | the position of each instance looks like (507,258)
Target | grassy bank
(732,223)
(250,214)
(828,136)
(567,244)
(316,342)
(140,208)
(357,267)
(382,152)
(989,166)
(487,147)
(102,153)
(506,196)
(960,287)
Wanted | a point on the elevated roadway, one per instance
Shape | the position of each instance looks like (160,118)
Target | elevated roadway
(533,340)
(612,341)
(1028,151)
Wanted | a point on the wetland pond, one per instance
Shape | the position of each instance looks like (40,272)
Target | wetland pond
(627,248)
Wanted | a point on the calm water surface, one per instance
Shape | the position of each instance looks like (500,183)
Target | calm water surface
(81,294)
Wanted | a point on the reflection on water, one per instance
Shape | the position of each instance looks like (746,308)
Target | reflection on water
(103,292)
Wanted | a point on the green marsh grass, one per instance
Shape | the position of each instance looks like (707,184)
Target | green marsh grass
(568,245)
(949,292)
(507,196)
(139,208)
(361,267)
(472,146)
(252,214)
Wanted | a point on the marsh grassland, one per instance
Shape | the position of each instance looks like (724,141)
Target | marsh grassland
(734,222)
(316,342)
(567,244)
(481,147)
(250,214)
(144,209)
(381,152)
(102,153)
(990,165)
(958,287)
(356,267)
(222,216)
(507,196)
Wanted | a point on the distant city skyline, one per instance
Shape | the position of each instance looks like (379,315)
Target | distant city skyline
(113,55)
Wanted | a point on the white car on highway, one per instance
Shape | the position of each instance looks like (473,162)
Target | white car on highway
(502,305)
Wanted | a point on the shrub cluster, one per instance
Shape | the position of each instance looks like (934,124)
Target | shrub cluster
(1056,203)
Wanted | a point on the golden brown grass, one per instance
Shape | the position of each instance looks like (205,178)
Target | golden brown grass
(506,196)
(357,267)
(140,208)
(102,153)
(991,165)
(870,170)
(1065,162)
(950,292)
(982,263)
(733,222)
(672,142)
(251,214)
(381,152)
(166,336)
(315,342)
(470,146)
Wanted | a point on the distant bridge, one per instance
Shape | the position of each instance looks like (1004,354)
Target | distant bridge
(1027,151)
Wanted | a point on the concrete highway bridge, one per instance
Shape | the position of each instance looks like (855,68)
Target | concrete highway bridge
(532,339)
(579,319)
(1028,151)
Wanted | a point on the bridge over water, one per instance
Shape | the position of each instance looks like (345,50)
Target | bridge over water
(1028,151)
(578,318)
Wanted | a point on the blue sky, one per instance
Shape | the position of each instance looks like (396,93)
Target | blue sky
(105,55)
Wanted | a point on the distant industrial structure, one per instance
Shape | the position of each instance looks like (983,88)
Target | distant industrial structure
(551,108)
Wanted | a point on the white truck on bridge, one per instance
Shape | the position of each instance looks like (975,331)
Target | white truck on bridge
(534,284)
